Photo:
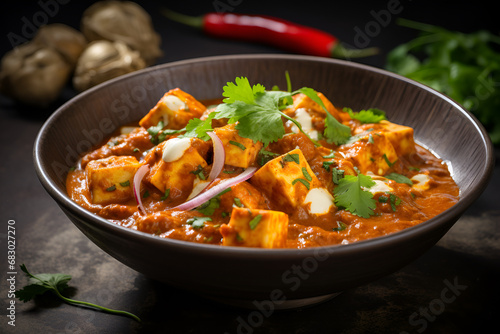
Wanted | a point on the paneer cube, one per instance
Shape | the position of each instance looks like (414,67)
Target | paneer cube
(177,166)
(242,195)
(372,152)
(175,109)
(255,228)
(110,179)
(400,136)
(240,151)
(287,179)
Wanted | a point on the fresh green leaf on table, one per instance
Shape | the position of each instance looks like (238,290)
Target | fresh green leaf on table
(57,283)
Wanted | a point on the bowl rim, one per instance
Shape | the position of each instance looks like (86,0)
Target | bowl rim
(382,241)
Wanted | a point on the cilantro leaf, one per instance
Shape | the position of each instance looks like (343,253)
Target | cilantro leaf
(372,115)
(198,128)
(349,194)
(335,132)
(241,91)
(57,283)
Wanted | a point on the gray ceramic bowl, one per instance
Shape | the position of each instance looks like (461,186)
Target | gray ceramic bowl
(283,277)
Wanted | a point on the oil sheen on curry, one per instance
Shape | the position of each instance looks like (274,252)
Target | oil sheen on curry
(262,168)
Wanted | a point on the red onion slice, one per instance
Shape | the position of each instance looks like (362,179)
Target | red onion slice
(219,156)
(214,191)
(139,175)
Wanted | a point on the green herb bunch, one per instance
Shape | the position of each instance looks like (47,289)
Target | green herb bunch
(465,67)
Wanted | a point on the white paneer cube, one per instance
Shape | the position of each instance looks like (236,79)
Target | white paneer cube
(178,166)
(287,179)
(240,151)
(174,109)
(110,179)
(255,228)
(372,152)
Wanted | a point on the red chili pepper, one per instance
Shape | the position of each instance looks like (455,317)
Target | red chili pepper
(272,31)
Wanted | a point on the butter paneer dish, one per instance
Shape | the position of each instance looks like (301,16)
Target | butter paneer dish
(262,168)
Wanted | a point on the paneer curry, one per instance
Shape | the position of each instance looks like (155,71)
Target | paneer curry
(262,168)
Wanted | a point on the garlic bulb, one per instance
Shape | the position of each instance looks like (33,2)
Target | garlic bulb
(34,74)
(69,42)
(103,60)
(122,21)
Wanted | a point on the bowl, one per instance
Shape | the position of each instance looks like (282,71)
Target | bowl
(259,278)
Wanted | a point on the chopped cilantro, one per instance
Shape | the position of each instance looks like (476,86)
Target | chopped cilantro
(198,222)
(383,199)
(237,202)
(255,221)
(306,174)
(349,194)
(158,134)
(146,194)
(264,156)
(388,161)
(327,165)
(340,227)
(125,184)
(399,178)
(199,172)
(329,156)
(112,188)
(208,208)
(240,145)
(304,182)
(291,157)
(165,195)
(394,201)
(337,174)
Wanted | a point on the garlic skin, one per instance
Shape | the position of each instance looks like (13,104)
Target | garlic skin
(122,21)
(103,60)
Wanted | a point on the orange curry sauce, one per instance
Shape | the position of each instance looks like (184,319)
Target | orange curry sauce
(376,149)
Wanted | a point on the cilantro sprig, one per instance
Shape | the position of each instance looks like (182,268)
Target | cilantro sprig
(57,283)
(258,113)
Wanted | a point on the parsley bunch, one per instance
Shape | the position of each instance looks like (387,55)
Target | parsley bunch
(258,113)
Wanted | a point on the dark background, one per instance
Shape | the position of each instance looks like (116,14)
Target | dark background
(413,299)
